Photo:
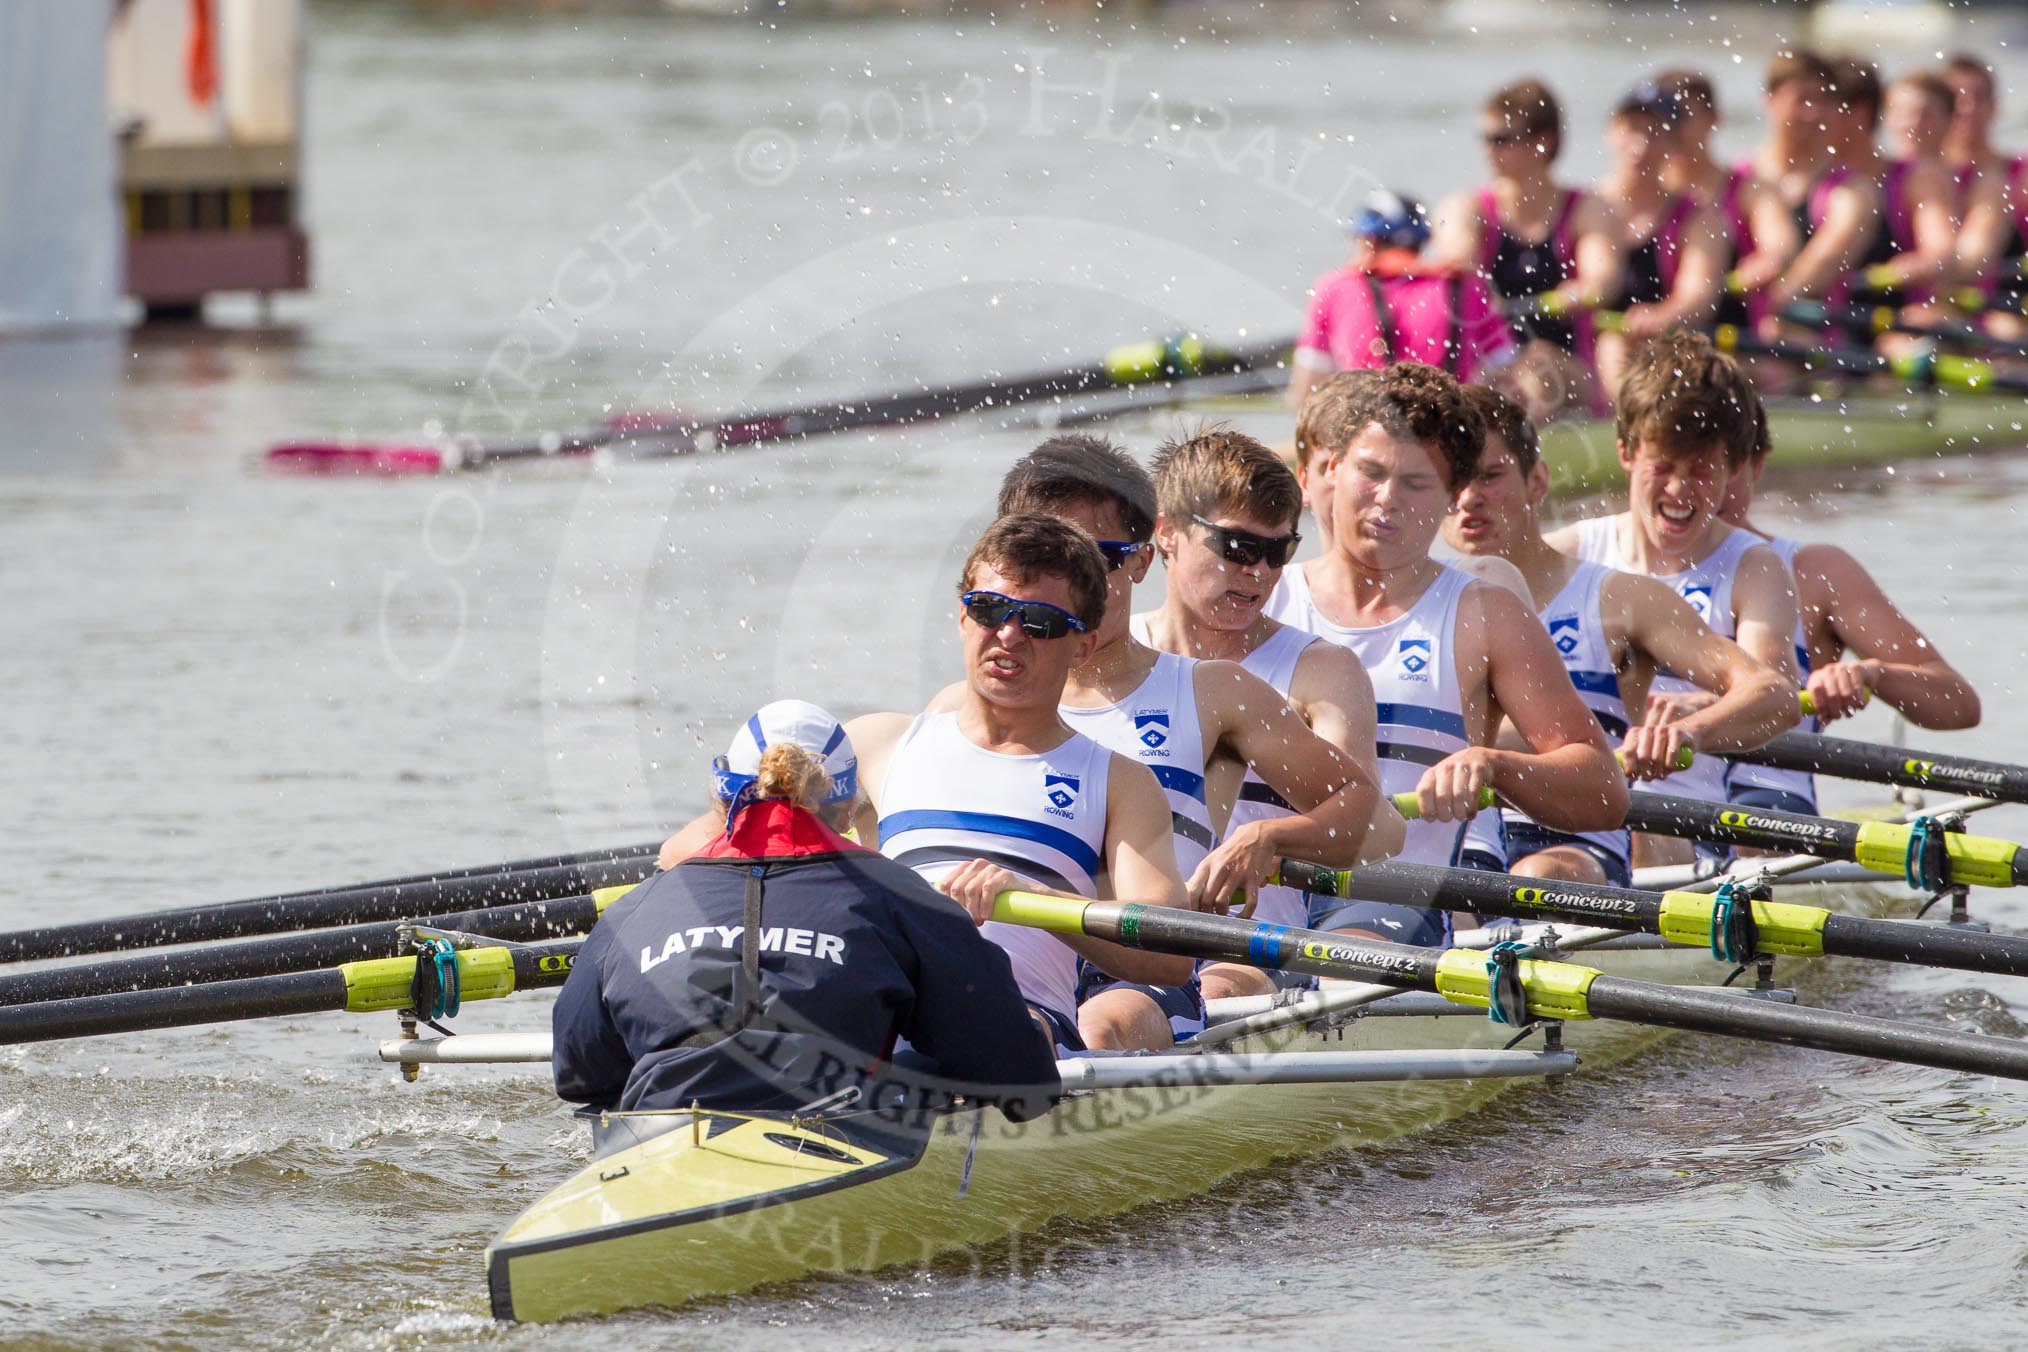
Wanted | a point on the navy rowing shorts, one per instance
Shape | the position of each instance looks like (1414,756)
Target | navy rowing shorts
(1526,838)
(1182,1005)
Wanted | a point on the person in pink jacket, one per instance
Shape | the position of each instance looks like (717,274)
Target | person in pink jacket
(1388,304)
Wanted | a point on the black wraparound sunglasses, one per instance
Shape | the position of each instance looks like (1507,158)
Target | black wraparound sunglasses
(1246,549)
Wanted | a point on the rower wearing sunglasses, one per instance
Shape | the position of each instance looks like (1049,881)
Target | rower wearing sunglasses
(1225,528)
(1448,655)
(1188,722)
(1535,240)
(1614,632)
(990,789)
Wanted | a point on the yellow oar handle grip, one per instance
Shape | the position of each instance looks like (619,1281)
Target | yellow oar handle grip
(1060,915)
(1808,702)
(1410,807)
(1158,358)
(1685,758)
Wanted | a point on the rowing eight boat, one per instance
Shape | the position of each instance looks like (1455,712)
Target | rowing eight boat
(681,1206)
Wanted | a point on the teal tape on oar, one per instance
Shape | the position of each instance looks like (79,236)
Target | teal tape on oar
(1506,999)
(1926,866)
(1734,936)
(436,991)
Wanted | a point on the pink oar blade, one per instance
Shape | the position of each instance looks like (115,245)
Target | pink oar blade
(330,457)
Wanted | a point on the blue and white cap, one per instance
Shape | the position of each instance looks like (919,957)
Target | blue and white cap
(1391,218)
(786,720)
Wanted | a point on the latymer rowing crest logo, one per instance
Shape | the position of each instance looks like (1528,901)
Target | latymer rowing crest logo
(1061,791)
(1564,630)
(1699,597)
(1153,729)
(1415,655)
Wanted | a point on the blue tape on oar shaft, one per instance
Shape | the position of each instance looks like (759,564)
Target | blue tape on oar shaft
(1264,945)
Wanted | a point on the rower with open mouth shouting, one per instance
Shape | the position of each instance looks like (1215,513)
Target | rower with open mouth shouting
(1614,631)
(1841,611)
(1686,423)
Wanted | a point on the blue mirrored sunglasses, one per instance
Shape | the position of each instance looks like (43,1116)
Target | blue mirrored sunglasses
(1038,619)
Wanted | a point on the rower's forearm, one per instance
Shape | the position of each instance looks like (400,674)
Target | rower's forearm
(1130,964)
(1386,833)
(1578,787)
(1335,831)
(1930,694)
(1746,715)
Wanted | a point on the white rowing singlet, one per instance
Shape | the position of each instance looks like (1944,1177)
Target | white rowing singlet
(1417,699)
(1157,726)
(1577,627)
(1801,783)
(1274,662)
(1707,586)
(947,800)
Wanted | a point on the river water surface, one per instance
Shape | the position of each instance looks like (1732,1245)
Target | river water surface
(221,683)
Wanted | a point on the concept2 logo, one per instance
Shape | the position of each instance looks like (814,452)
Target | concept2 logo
(1574,901)
(1781,826)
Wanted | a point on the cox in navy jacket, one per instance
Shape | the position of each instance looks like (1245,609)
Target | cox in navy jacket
(854,952)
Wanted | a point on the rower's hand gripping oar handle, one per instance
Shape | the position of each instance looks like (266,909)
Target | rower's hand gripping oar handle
(1410,807)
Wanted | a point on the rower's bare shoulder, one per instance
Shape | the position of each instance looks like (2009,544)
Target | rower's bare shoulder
(1132,794)
(1491,621)
(874,736)
(1828,565)
(1594,214)
(1328,670)
(1227,693)
(1494,572)
(1564,539)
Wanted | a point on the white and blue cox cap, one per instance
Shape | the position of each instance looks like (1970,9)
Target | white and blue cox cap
(787,720)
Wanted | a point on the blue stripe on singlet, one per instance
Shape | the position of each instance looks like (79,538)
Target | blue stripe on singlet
(1179,779)
(1596,682)
(1416,716)
(993,824)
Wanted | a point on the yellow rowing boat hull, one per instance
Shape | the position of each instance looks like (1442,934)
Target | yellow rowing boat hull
(724,1203)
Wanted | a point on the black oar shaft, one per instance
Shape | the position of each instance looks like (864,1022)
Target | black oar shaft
(1928,945)
(1847,759)
(1739,1015)
(232,920)
(1730,1013)
(361,987)
(274,954)
(176,1007)
(905,406)
(580,858)
(1884,847)
(1756,828)
(1630,908)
